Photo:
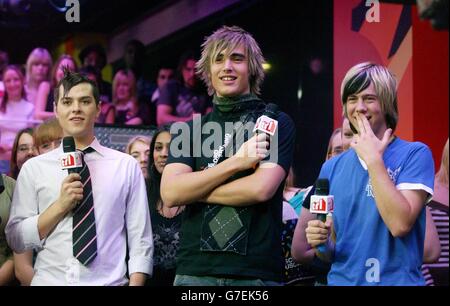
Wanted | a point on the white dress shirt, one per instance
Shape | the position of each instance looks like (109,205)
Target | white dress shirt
(121,216)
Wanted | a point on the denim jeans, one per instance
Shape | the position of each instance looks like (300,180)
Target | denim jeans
(188,280)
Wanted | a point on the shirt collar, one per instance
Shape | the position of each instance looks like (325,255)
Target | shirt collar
(94,144)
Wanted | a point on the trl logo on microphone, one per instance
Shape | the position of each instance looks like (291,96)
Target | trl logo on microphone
(321,204)
(71,160)
(266,125)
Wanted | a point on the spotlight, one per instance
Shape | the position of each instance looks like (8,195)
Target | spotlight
(16,7)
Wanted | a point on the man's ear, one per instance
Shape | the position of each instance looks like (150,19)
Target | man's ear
(55,105)
(99,109)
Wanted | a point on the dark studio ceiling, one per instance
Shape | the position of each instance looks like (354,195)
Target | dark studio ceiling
(25,24)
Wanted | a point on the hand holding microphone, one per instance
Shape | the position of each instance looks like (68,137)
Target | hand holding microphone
(71,187)
(318,231)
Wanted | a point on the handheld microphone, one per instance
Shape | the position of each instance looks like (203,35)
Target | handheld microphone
(265,123)
(71,159)
(321,203)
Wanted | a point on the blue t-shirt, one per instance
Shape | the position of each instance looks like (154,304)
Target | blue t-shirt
(366,253)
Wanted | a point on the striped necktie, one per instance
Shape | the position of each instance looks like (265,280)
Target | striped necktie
(84,234)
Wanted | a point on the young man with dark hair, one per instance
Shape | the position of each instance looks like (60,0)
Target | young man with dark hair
(81,224)
(180,99)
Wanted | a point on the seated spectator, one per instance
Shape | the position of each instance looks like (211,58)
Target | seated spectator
(38,70)
(107,109)
(94,55)
(139,148)
(16,112)
(128,110)
(4,61)
(180,99)
(165,74)
(6,254)
(23,149)
(166,221)
(134,57)
(45,96)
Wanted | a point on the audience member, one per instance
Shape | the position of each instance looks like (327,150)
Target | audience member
(180,99)
(38,70)
(45,95)
(139,148)
(94,55)
(302,253)
(134,56)
(23,149)
(48,136)
(165,74)
(294,273)
(128,109)
(4,62)
(6,256)
(16,112)
(166,221)
(107,110)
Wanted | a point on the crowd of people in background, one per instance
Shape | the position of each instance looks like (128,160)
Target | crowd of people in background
(191,244)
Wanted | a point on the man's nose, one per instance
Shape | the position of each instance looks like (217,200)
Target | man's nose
(361,106)
(75,106)
(227,65)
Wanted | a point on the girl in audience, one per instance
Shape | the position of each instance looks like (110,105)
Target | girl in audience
(44,97)
(128,110)
(23,149)
(16,112)
(139,148)
(166,221)
(38,68)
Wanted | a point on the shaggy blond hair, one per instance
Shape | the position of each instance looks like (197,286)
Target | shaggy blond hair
(228,38)
(360,76)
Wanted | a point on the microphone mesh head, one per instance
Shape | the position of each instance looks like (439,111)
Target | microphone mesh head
(68,144)
(322,187)
(271,110)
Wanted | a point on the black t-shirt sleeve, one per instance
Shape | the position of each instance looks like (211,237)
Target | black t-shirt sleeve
(285,143)
(180,150)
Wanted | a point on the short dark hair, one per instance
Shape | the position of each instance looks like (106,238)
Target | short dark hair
(184,58)
(72,79)
(97,48)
